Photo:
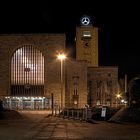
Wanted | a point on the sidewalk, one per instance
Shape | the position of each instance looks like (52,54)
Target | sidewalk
(42,127)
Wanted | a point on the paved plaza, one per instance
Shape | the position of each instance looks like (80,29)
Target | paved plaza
(43,127)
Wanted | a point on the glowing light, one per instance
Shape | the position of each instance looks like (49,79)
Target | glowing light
(125,102)
(122,101)
(61,56)
(16,97)
(86,34)
(118,95)
(25,60)
(75,102)
(85,20)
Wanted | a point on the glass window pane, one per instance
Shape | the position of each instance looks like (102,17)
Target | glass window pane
(27,72)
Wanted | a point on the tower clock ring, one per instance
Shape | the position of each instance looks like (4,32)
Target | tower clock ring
(85,20)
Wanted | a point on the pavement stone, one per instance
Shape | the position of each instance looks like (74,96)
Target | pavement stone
(55,128)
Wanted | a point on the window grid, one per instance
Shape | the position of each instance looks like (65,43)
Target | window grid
(27,72)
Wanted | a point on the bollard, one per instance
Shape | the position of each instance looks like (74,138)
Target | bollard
(72,114)
(83,114)
(63,113)
(86,112)
(60,111)
(78,114)
(55,111)
(67,113)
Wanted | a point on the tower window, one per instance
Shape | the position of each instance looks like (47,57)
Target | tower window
(86,34)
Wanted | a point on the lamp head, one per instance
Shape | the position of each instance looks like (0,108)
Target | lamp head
(61,56)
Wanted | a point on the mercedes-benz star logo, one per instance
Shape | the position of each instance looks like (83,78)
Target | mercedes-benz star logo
(85,21)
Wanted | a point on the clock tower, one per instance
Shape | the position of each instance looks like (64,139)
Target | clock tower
(87,42)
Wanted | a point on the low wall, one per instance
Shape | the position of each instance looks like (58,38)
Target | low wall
(35,111)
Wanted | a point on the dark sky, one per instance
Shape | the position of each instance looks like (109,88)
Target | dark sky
(118,22)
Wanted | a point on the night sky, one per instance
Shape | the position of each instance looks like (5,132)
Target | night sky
(119,26)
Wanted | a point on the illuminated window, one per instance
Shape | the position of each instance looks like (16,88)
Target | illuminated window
(108,103)
(99,83)
(86,34)
(98,102)
(27,72)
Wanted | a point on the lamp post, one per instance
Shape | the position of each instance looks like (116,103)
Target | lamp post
(118,96)
(61,57)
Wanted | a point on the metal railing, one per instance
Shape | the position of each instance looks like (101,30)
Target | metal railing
(82,114)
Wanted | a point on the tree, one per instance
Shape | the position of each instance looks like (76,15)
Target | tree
(134,92)
(1,105)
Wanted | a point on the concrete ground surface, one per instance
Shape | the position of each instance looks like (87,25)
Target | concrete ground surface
(44,127)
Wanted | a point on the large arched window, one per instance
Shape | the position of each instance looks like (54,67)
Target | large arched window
(27,72)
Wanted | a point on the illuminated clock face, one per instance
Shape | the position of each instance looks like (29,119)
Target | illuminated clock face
(85,20)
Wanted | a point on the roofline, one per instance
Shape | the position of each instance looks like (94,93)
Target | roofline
(104,67)
(36,34)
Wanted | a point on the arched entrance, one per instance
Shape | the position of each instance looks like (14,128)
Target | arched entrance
(27,72)
(27,79)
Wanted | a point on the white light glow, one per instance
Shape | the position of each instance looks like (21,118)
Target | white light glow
(122,101)
(86,34)
(61,56)
(118,95)
(15,97)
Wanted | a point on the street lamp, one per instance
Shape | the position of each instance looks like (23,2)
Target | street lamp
(61,57)
(118,96)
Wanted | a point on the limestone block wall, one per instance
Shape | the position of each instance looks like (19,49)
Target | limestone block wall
(104,82)
(76,69)
(48,44)
(89,52)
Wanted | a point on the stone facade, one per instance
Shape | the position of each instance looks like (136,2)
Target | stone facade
(76,84)
(87,45)
(102,81)
(50,45)
(84,82)
(102,86)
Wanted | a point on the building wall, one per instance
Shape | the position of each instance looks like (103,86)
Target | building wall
(76,75)
(102,82)
(102,85)
(87,47)
(78,71)
(48,44)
